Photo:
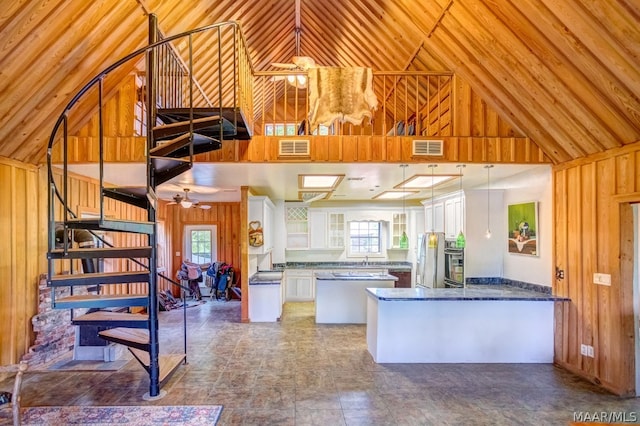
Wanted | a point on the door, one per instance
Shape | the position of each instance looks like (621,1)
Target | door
(201,245)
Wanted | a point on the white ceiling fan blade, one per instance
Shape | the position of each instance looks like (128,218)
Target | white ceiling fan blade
(304,62)
(284,65)
(277,78)
(205,206)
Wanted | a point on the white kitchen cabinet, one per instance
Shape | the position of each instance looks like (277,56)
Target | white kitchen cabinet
(297,225)
(336,231)
(326,230)
(453,216)
(317,229)
(398,227)
(299,285)
(434,216)
(261,210)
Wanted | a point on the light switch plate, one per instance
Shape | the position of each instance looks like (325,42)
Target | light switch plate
(602,279)
(590,351)
(583,350)
(177,254)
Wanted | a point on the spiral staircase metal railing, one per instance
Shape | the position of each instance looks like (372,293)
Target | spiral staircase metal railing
(182,121)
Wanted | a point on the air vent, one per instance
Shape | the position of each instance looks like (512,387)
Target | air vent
(427,147)
(293,147)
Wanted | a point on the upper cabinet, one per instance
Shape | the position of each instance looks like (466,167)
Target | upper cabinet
(326,230)
(434,215)
(297,225)
(453,216)
(317,229)
(445,214)
(399,227)
(261,213)
(336,231)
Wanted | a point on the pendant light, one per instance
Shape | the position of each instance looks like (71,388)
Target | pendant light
(488,231)
(460,239)
(404,240)
(433,238)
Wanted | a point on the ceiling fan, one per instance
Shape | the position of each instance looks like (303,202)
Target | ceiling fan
(187,202)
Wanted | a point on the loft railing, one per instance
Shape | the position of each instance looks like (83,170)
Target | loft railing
(410,103)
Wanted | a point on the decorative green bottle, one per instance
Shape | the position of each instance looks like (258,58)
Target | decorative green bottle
(460,240)
(404,241)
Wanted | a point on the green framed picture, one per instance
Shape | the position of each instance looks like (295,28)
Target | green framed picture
(523,228)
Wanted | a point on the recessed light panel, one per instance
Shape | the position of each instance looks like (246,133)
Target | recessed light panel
(424,181)
(393,195)
(329,182)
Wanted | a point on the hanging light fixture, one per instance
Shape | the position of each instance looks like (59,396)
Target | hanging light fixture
(460,239)
(488,231)
(404,240)
(433,238)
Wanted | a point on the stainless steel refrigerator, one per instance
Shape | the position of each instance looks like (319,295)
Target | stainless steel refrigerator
(430,261)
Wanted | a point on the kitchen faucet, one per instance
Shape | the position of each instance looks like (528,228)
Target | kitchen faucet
(365,261)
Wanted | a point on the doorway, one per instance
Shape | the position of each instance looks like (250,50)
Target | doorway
(201,247)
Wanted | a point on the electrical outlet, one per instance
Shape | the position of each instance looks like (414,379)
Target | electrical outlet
(602,279)
(590,351)
(177,254)
(583,350)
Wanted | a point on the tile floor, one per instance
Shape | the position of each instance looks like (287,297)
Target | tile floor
(298,373)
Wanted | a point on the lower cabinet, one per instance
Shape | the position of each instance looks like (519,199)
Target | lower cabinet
(299,285)
(404,278)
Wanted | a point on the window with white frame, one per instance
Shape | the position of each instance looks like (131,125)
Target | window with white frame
(280,129)
(291,129)
(365,237)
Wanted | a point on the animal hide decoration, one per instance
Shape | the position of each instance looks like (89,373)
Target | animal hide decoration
(344,94)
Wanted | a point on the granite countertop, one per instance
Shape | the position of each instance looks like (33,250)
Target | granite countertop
(346,276)
(391,266)
(266,278)
(472,292)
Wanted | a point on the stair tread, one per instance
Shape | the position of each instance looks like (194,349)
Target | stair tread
(118,225)
(187,121)
(177,127)
(167,363)
(134,335)
(103,297)
(101,275)
(179,141)
(111,316)
(100,252)
(129,190)
(179,147)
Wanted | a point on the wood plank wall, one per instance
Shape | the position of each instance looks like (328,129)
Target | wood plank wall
(592,234)
(22,259)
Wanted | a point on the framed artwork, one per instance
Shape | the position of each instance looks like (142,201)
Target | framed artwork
(523,228)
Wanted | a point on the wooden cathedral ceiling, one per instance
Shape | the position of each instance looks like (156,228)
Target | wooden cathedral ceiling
(564,72)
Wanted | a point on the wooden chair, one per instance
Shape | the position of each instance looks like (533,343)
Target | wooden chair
(6,371)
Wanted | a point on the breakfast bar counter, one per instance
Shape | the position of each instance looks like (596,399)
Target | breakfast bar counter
(477,324)
(341,297)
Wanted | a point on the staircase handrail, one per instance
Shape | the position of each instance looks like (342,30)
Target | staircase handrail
(100,76)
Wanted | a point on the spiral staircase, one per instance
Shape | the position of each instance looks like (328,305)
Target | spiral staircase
(179,132)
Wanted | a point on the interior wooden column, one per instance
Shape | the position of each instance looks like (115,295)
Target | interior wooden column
(244,252)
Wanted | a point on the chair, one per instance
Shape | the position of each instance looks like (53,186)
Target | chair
(5,371)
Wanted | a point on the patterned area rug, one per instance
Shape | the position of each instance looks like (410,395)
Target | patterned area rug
(123,415)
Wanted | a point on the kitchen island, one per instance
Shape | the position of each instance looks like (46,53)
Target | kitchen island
(477,324)
(265,297)
(341,297)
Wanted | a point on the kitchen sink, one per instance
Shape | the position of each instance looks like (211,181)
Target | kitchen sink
(352,274)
